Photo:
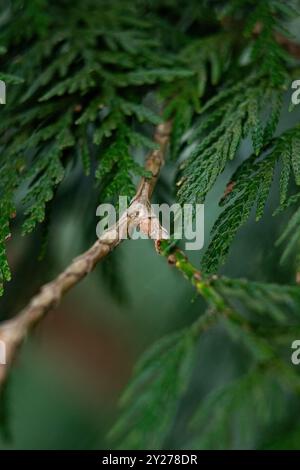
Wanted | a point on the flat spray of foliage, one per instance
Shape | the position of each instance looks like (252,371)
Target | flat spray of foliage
(86,83)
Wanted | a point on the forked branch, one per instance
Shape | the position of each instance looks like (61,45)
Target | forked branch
(138,215)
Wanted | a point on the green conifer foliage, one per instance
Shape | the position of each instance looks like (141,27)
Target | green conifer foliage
(87,83)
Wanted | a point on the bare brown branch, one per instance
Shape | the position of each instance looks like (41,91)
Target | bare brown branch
(138,215)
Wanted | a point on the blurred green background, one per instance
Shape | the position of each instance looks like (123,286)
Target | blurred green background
(64,389)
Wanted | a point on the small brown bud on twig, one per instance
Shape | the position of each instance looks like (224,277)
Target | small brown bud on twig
(172,259)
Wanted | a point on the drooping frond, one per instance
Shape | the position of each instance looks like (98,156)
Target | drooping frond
(228,118)
(249,187)
(80,94)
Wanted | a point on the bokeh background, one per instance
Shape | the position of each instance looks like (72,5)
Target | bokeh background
(64,389)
